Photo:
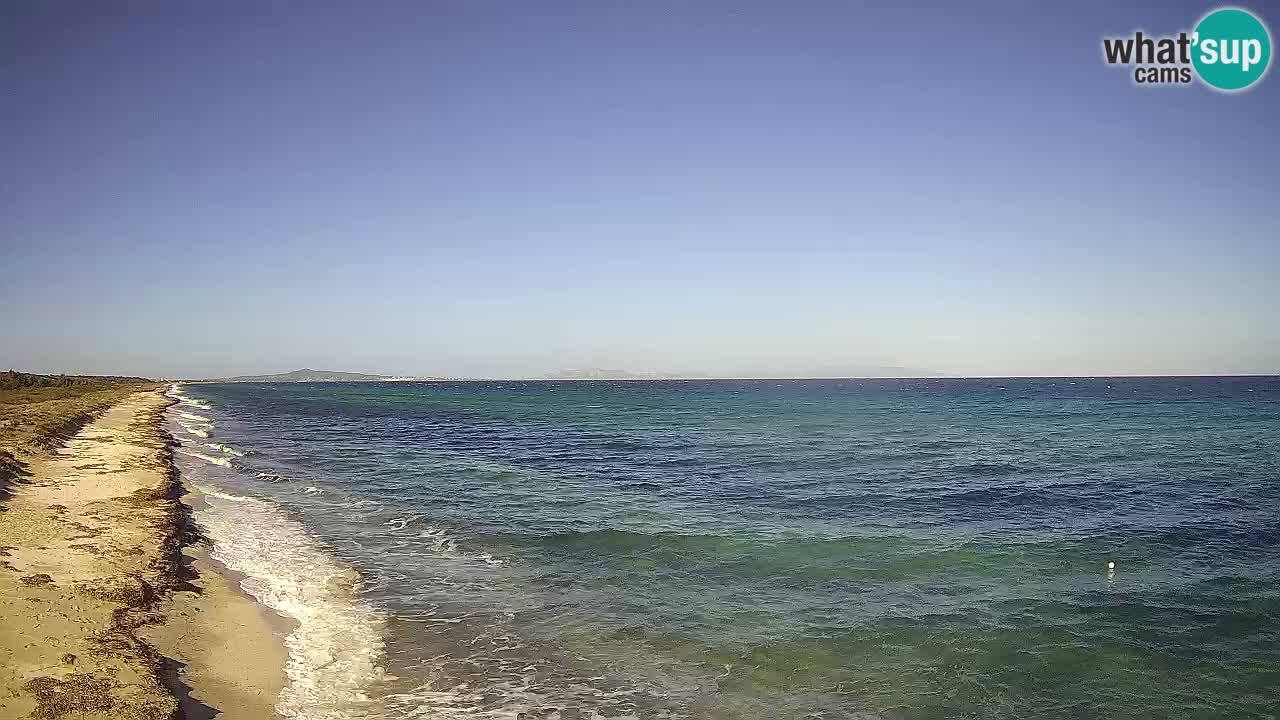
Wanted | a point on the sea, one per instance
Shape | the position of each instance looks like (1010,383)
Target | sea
(753,549)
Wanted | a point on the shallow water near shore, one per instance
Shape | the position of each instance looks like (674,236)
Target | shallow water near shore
(752,549)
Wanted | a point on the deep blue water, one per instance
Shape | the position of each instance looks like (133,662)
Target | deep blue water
(757,549)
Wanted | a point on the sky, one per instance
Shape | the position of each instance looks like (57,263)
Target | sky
(504,189)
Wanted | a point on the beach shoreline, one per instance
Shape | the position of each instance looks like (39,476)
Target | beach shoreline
(110,606)
(226,650)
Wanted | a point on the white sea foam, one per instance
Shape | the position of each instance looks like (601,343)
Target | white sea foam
(398,523)
(336,651)
(225,449)
(197,425)
(438,540)
(466,701)
(210,492)
(224,462)
(175,392)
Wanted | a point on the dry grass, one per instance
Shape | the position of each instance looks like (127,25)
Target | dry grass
(38,419)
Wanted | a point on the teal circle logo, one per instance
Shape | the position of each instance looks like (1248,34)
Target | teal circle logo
(1231,49)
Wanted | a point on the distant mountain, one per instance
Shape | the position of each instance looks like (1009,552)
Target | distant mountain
(309,375)
(587,373)
(604,374)
(834,371)
(871,371)
(593,374)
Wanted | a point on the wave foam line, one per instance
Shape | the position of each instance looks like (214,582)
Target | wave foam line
(197,425)
(336,650)
(202,432)
(175,392)
(224,462)
(209,492)
(227,449)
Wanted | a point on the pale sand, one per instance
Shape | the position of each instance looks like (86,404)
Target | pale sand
(90,565)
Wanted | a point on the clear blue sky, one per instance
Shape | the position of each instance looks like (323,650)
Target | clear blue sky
(507,188)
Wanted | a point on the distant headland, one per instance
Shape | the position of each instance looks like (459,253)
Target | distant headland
(309,375)
(589,373)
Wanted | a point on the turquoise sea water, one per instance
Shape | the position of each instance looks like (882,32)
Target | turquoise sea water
(756,549)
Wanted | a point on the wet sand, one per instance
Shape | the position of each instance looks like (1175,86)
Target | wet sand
(227,647)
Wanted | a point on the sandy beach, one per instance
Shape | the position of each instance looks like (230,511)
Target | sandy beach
(109,604)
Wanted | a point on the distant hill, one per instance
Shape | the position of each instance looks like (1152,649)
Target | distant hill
(604,374)
(841,371)
(309,375)
(587,373)
(592,374)
(871,371)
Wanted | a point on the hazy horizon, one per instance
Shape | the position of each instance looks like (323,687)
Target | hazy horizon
(626,375)
(729,189)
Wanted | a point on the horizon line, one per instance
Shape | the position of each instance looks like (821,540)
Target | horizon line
(406,378)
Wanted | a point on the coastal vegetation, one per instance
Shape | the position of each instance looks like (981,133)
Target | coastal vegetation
(39,412)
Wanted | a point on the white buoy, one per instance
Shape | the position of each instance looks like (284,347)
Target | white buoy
(1111,565)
